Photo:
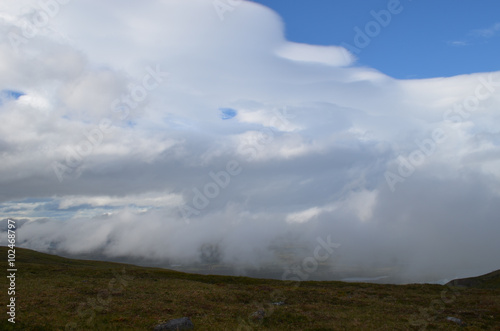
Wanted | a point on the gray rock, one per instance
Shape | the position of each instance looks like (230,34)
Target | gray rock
(456,320)
(259,314)
(178,324)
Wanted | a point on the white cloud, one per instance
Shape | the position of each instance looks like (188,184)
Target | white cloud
(487,32)
(329,55)
(458,43)
(144,200)
(303,216)
(477,35)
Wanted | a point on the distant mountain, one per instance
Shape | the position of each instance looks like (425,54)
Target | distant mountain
(490,280)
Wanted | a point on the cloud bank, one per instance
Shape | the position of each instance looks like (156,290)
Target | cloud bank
(151,129)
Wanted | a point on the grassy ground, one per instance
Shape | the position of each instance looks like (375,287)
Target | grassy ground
(54,293)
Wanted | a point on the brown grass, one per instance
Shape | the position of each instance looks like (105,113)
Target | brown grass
(54,293)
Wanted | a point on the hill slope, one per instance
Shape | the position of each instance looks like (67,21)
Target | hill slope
(490,280)
(55,293)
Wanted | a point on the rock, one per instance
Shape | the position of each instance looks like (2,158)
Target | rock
(456,320)
(178,324)
(279,303)
(259,314)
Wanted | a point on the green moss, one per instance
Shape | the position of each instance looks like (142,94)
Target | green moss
(55,292)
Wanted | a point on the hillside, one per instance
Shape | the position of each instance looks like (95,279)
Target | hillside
(55,293)
(490,280)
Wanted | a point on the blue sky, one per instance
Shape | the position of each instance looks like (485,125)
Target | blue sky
(6,95)
(426,39)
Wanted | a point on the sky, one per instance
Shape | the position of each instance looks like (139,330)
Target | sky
(464,35)
(151,130)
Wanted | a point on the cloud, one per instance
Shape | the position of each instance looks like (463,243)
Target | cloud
(117,147)
(477,35)
(458,43)
(487,32)
(328,55)
(144,200)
